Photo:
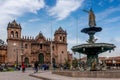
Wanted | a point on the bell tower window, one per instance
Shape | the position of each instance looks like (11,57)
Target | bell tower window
(16,34)
(60,38)
(12,34)
(63,39)
(62,52)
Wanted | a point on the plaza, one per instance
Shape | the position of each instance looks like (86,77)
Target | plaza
(44,40)
(17,75)
(41,75)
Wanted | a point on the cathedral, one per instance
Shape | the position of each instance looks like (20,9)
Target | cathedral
(38,48)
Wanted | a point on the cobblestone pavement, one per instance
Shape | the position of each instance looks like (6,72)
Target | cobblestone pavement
(17,75)
(41,75)
(46,75)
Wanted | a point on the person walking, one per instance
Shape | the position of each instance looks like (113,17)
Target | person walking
(23,67)
(36,67)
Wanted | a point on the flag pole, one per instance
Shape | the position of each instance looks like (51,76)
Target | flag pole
(51,49)
(77,42)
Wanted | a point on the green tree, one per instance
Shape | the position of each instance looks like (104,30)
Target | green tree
(67,64)
(75,63)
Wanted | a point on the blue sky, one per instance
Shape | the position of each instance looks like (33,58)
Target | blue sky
(38,15)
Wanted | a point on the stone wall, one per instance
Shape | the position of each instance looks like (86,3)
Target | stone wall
(90,74)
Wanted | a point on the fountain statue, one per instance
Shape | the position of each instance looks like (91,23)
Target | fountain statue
(92,49)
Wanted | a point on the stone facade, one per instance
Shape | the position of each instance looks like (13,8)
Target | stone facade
(29,49)
(3,52)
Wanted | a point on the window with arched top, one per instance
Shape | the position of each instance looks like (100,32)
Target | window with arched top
(60,38)
(26,60)
(53,48)
(40,46)
(63,39)
(26,46)
(12,34)
(16,34)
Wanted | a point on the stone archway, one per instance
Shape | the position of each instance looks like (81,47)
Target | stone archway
(54,62)
(41,58)
(26,60)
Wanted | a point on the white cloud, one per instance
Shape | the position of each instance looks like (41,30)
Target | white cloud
(112,53)
(116,40)
(111,1)
(73,42)
(11,9)
(114,19)
(106,13)
(34,20)
(63,8)
(101,3)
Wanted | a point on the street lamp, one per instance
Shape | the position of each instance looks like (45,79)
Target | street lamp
(22,52)
(16,50)
(21,57)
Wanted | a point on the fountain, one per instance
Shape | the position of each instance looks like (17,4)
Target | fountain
(92,49)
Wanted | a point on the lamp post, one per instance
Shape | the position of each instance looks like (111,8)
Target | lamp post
(22,52)
(79,59)
(60,59)
(16,50)
(21,57)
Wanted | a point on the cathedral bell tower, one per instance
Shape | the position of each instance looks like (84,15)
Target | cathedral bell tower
(14,42)
(60,38)
(14,31)
(60,35)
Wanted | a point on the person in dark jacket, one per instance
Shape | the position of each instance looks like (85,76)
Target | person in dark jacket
(36,66)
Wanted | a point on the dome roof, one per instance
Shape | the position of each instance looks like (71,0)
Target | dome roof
(60,31)
(39,36)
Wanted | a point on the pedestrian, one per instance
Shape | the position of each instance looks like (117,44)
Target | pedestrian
(15,66)
(36,67)
(23,67)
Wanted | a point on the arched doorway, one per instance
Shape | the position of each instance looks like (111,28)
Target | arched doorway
(41,58)
(54,62)
(26,60)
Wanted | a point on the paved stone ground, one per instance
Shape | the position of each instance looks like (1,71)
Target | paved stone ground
(41,75)
(46,75)
(17,75)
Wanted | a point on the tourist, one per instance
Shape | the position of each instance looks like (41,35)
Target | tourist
(23,67)
(36,66)
(15,66)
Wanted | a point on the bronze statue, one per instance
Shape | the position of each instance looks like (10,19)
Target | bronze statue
(93,67)
(92,22)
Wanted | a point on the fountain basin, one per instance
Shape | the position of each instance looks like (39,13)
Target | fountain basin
(95,48)
(90,74)
(91,29)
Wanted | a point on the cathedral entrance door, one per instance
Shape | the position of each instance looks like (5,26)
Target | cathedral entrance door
(41,58)
(26,61)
